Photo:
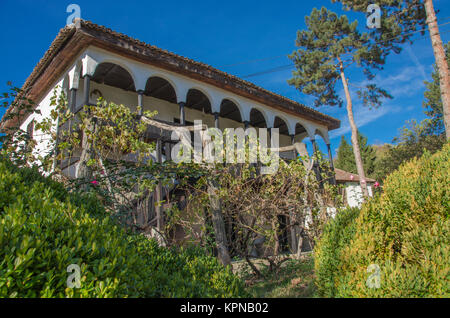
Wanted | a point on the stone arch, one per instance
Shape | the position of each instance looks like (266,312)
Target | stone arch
(199,100)
(258,118)
(172,80)
(115,75)
(301,132)
(113,60)
(161,88)
(324,135)
(231,110)
(282,125)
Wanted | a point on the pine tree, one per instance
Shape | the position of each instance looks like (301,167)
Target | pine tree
(346,161)
(368,154)
(399,22)
(326,49)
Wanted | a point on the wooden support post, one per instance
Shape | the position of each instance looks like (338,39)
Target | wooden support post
(168,148)
(314,145)
(159,212)
(330,157)
(293,230)
(218,223)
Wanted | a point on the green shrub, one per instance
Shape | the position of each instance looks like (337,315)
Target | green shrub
(44,229)
(405,232)
(335,236)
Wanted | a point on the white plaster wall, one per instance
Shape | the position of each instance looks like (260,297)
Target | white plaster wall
(354,194)
(43,141)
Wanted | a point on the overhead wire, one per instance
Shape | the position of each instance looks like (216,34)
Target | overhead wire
(288,66)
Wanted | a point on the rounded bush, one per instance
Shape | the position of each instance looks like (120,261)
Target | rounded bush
(399,244)
(44,229)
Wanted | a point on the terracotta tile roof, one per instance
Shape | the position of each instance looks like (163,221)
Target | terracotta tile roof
(205,70)
(344,176)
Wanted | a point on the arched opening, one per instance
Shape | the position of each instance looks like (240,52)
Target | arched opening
(197,100)
(160,88)
(300,132)
(257,119)
(319,133)
(321,143)
(114,75)
(230,110)
(281,125)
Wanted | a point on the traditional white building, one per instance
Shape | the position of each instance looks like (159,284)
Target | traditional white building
(352,191)
(87,61)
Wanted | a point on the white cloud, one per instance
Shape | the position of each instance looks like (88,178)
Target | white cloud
(363,116)
(416,61)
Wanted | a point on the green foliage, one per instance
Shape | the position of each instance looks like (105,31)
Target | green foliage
(415,138)
(399,20)
(405,231)
(336,235)
(433,102)
(346,161)
(44,229)
(17,143)
(255,206)
(330,44)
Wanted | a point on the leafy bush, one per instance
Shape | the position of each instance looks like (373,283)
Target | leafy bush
(336,235)
(405,232)
(44,229)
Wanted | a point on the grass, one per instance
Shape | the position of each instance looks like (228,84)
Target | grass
(295,279)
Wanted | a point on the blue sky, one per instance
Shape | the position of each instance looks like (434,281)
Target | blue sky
(224,34)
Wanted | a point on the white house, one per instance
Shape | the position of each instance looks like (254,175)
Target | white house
(87,61)
(352,191)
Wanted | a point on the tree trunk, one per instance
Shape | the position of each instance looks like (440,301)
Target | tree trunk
(441,62)
(219,225)
(355,143)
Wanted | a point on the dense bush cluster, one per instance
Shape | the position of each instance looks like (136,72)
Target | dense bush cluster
(44,229)
(405,232)
(336,235)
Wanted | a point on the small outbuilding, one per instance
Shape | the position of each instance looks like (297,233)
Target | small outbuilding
(352,191)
